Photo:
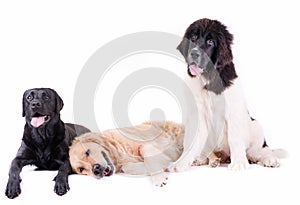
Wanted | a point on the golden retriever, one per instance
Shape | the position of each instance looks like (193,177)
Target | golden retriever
(146,149)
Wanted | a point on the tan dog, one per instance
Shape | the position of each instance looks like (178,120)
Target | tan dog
(146,149)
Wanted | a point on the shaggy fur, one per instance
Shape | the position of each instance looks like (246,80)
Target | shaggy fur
(212,41)
(146,149)
(221,127)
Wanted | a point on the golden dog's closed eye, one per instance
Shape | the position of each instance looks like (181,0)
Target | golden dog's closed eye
(88,152)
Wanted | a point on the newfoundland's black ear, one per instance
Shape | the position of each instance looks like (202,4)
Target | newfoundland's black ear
(183,47)
(59,104)
(224,51)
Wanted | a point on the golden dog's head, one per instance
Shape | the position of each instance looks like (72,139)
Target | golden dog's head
(88,156)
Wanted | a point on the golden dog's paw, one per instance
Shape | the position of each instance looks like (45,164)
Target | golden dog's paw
(160,179)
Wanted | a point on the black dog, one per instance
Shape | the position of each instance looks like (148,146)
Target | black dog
(46,140)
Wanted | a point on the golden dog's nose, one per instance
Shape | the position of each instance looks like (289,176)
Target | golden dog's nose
(101,171)
(98,170)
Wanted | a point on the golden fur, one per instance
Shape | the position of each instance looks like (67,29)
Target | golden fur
(146,149)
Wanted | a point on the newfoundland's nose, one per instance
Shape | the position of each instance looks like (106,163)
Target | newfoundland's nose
(35,104)
(98,170)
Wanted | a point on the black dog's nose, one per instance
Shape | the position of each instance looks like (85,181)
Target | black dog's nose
(35,104)
(98,170)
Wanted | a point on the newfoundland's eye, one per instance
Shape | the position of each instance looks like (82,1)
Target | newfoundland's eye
(210,42)
(81,169)
(46,97)
(29,97)
(194,37)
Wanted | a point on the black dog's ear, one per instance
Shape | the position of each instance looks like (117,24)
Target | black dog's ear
(59,104)
(23,103)
(183,47)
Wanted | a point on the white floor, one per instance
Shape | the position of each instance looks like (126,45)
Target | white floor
(200,185)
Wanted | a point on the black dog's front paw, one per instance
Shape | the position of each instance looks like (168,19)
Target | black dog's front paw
(61,187)
(13,189)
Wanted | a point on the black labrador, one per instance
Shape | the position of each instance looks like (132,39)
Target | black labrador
(46,140)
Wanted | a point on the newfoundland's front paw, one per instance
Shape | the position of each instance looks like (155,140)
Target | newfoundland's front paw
(61,187)
(238,166)
(180,166)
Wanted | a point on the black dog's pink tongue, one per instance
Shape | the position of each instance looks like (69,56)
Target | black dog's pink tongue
(37,121)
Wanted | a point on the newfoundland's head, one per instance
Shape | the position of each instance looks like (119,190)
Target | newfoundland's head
(206,47)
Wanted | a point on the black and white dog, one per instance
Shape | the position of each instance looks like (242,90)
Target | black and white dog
(224,129)
(46,140)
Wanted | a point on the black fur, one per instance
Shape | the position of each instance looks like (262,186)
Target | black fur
(220,71)
(45,146)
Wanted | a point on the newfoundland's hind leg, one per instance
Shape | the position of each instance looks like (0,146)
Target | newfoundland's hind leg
(259,151)
(265,156)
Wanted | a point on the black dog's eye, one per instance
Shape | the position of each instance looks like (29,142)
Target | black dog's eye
(210,42)
(81,169)
(46,97)
(29,97)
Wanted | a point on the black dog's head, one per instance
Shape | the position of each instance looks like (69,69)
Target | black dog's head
(206,47)
(41,106)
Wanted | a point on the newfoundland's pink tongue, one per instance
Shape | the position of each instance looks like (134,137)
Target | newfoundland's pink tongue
(195,70)
(37,121)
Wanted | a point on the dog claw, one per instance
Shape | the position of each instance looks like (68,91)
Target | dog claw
(13,190)
(61,188)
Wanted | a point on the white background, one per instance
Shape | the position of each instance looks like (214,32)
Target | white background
(46,45)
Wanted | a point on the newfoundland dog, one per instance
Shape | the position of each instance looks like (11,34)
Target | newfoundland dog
(220,129)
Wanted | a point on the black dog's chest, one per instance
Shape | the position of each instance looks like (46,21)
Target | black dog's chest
(47,158)
(47,153)
(43,157)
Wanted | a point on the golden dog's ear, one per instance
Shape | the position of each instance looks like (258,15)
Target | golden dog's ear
(75,141)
